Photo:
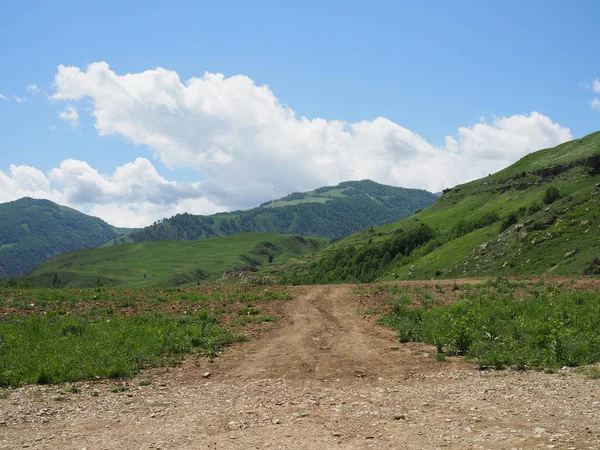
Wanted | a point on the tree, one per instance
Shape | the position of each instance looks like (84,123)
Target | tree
(387,258)
(56,281)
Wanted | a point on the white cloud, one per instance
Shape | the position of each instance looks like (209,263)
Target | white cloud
(70,115)
(4,97)
(251,148)
(595,104)
(133,195)
(596,86)
(19,99)
(33,89)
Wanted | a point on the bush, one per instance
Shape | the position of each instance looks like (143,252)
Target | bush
(466,226)
(533,208)
(509,220)
(551,195)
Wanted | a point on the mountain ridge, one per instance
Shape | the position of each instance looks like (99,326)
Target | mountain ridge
(33,230)
(328,211)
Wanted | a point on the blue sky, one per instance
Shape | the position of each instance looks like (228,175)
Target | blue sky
(429,69)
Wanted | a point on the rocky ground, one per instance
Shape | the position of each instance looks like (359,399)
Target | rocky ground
(325,377)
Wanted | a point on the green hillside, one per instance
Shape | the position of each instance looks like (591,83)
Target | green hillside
(508,223)
(331,211)
(31,231)
(169,263)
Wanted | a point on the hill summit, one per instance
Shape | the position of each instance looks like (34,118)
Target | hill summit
(330,211)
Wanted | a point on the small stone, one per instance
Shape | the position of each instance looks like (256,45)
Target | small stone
(276,421)
(399,416)
(206,375)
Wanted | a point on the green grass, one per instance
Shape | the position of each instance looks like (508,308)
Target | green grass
(52,349)
(110,300)
(308,199)
(62,335)
(592,373)
(169,263)
(245,320)
(547,326)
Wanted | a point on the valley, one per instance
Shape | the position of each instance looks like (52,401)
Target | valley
(300,225)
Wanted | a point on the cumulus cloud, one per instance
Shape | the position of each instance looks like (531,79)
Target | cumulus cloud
(595,104)
(596,86)
(19,99)
(3,97)
(33,89)
(70,115)
(250,147)
(133,195)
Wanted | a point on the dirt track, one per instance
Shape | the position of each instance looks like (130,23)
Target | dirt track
(326,377)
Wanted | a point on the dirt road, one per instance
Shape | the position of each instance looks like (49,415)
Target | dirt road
(325,377)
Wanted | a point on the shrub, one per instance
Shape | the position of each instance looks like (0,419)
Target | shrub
(466,226)
(509,220)
(533,208)
(551,195)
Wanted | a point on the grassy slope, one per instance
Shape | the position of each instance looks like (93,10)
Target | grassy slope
(168,263)
(522,251)
(317,196)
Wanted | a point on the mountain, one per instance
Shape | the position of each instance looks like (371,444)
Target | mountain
(331,212)
(170,263)
(31,231)
(539,216)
